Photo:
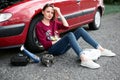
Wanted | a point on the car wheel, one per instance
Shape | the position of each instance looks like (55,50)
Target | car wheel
(32,43)
(96,22)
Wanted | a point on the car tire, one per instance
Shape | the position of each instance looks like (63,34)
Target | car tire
(95,25)
(32,43)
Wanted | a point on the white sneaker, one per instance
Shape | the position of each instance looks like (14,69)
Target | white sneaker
(22,48)
(92,54)
(107,53)
(90,64)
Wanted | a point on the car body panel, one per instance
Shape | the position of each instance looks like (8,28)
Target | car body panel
(77,12)
(20,13)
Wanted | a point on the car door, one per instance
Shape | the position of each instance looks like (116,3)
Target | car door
(88,9)
(69,9)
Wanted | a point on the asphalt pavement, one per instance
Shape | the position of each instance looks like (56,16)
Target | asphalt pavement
(67,66)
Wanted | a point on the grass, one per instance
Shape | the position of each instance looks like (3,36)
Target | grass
(112,9)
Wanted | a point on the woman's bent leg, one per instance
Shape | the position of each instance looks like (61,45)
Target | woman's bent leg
(80,32)
(70,40)
(64,44)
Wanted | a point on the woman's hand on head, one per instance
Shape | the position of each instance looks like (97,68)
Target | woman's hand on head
(57,10)
(64,21)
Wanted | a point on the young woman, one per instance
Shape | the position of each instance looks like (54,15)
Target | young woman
(48,36)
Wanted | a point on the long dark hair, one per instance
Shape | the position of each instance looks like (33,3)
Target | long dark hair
(49,5)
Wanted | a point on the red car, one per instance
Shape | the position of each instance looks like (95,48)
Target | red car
(18,19)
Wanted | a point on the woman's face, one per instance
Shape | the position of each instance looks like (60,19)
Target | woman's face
(48,13)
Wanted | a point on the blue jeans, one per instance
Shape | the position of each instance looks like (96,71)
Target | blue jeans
(70,41)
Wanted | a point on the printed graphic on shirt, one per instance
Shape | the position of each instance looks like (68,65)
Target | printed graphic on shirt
(50,37)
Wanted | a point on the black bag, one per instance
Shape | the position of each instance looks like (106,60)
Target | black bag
(19,60)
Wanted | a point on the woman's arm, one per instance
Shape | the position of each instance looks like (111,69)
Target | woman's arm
(64,21)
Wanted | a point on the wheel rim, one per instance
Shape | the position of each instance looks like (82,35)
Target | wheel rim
(97,19)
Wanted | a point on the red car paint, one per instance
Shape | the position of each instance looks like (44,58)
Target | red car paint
(77,13)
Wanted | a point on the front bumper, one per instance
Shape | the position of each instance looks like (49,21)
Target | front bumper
(11,30)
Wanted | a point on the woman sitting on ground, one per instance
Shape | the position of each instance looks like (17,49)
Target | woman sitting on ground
(48,36)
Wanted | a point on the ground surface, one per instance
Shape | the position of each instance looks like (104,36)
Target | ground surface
(67,66)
